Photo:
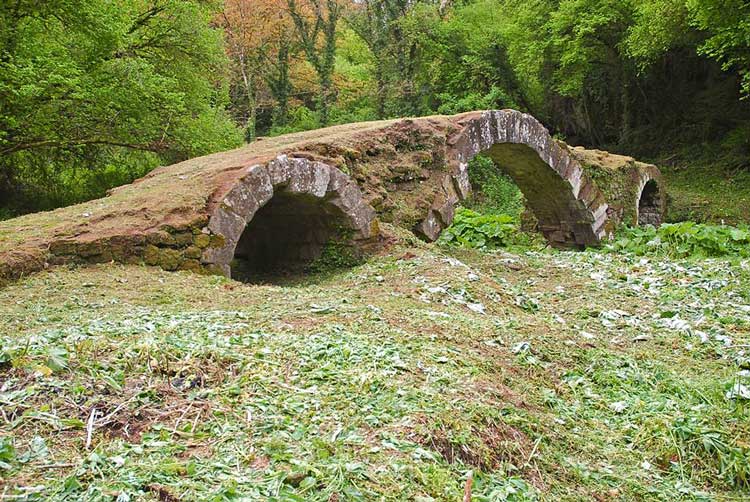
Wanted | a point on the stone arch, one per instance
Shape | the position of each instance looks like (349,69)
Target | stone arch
(284,211)
(570,208)
(650,203)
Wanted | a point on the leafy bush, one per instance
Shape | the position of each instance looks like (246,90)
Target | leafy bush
(336,255)
(494,191)
(476,230)
(684,239)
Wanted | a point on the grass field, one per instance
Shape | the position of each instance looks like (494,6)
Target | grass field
(541,375)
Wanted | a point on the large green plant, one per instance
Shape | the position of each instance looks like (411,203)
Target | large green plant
(684,239)
(476,230)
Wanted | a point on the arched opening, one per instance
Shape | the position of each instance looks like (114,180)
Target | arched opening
(493,190)
(570,209)
(649,205)
(555,211)
(289,215)
(286,236)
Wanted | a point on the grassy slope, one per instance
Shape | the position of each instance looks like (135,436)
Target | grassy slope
(707,194)
(379,383)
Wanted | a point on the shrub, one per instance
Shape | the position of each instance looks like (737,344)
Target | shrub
(494,191)
(683,240)
(476,230)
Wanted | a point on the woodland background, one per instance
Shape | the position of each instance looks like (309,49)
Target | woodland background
(95,93)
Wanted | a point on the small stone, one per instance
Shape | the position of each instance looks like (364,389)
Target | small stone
(104,257)
(89,249)
(191,265)
(63,247)
(151,255)
(183,239)
(160,238)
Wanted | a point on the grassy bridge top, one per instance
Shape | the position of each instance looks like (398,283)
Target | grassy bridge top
(411,172)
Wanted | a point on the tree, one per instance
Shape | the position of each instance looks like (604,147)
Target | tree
(728,23)
(97,92)
(316,22)
(259,37)
(378,24)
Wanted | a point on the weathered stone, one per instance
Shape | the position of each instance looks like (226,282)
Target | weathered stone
(430,227)
(301,177)
(191,265)
(160,238)
(90,249)
(151,255)
(253,191)
(217,241)
(104,257)
(227,223)
(183,239)
(279,171)
(64,247)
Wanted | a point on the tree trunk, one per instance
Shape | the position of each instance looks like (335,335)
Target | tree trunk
(252,104)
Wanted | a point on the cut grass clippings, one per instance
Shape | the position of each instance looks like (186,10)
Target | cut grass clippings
(546,375)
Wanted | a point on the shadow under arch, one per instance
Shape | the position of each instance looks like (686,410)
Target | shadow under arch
(650,204)
(570,208)
(282,214)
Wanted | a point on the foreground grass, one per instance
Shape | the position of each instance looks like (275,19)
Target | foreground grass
(548,376)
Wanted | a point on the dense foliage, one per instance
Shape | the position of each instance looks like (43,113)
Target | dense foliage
(94,93)
(476,230)
(642,75)
(685,239)
(493,191)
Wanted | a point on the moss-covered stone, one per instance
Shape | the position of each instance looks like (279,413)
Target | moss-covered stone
(191,265)
(201,240)
(160,238)
(104,257)
(192,252)
(64,247)
(151,255)
(170,259)
(183,239)
(217,241)
(211,269)
(90,249)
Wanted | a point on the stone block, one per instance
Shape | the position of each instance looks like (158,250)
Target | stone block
(183,239)
(279,171)
(160,238)
(151,255)
(63,247)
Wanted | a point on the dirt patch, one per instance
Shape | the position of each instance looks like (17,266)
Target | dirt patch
(162,493)
(487,446)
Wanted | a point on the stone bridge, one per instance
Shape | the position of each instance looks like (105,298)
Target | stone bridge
(277,202)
